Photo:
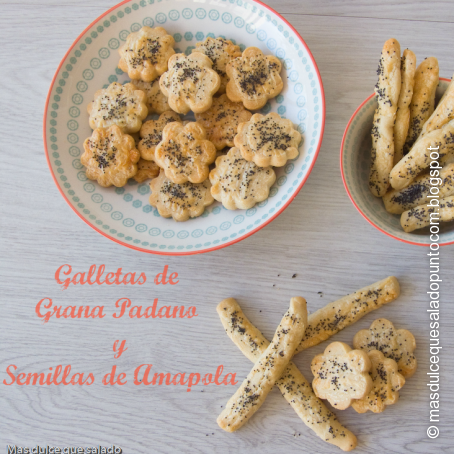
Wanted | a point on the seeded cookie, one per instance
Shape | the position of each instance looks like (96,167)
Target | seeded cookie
(341,375)
(254,78)
(398,345)
(386,382)
(190,83)
(146,52)
(151,133)
(220,51)
(146,170)
(156,101)
(238,183)
(121,105)
(180,201)
(184,153)
(221,121)
(110,156)
(268,140)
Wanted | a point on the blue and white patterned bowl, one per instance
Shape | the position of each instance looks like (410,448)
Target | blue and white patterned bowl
(124,214)
(355,165)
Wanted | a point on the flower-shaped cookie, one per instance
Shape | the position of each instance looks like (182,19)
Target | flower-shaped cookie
(190,83)
(181,201)
(254,78)
(341,375)
(184,153)
(121,105)
(268,140)
(146,170)
(221,121)
(220,51)
(398,345)
(110,156)
(146,53)
(151,134)
(156,101)
(238,183)
(386,382)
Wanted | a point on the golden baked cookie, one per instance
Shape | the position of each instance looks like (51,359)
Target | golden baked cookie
(156,101)
(386,382)
(180,201)
(121,105)
(110,156)
(145,54)
(341,375)
(220,51)
(398,345)
(190,83)
(184,153)
(254,78)
(146,170)
(151,133)
(221,121)
(238,183)
(268,140)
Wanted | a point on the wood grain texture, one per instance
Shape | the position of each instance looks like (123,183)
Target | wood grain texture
(320,237)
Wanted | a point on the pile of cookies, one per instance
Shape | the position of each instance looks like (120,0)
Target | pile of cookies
(408,134)
(220,85)
(368,378)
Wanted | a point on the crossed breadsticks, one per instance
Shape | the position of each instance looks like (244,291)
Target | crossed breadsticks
(272,364)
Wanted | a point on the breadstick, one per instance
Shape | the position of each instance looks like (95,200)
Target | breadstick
(387,94)
(420,217)
(411,165)
(267,370)
(336,316)
(407,77)
(292,384)
(447,159)
(443,113)
(399,200)
(422,103)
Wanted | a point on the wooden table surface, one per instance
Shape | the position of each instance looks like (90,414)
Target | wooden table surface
(320,237)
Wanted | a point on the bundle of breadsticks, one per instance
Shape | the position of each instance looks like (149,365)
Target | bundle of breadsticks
(297,332)
(409,136)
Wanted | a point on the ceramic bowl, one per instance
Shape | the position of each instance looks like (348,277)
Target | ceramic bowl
(124,214)
(355,165)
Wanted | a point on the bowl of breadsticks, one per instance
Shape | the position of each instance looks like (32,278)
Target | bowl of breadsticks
(397,152)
